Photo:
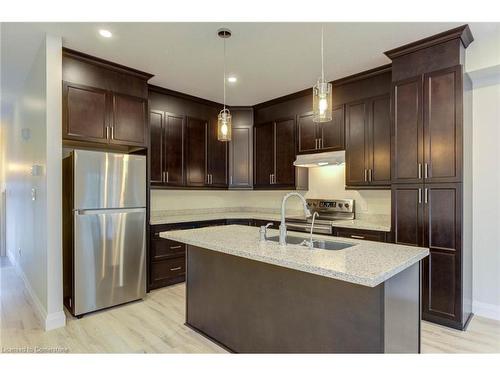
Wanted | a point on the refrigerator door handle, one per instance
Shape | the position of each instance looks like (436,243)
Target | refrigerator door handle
(108,211)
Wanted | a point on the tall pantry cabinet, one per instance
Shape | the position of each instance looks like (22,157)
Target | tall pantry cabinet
(431,169)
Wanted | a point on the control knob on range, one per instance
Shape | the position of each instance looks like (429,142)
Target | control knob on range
(346,205)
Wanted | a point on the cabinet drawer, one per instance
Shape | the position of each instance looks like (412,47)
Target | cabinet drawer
(163,272)
(361,234)
(163,248)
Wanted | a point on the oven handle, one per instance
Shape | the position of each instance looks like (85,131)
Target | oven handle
(320,229)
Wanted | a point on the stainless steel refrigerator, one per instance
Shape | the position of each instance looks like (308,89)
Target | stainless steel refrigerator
(104,229)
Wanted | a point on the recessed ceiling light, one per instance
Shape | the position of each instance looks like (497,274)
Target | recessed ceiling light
(232,79)
(105,33)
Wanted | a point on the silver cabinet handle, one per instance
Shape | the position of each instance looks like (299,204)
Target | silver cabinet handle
(175,269)
(175,247)
(112,132)
(419,196)
(370,174)
(366,171)
(107,132)
(274,179)
(270,179)
(358,237)
(419,171)
(426,170)
(230,180)
(166,180)
(426,195)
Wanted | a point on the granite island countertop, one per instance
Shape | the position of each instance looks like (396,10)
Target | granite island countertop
(367,222)
(366,263)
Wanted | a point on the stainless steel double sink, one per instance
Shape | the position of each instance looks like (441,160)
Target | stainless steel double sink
(317,244)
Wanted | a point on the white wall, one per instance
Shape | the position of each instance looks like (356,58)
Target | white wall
(483,65)
(32,136)
(324,182)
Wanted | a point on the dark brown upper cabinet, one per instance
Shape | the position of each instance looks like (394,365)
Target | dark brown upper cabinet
(241,149)
(264,165)
(166,149)
(216,158)
(190,155)
(129,121)
(427,131)
(85,113)
(196,152)
(321,137)
(103,102)
(157,146)
(368,147)
(275,153)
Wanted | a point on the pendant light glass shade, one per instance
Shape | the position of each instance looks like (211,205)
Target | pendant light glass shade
(224,121)
(224,125)
(322,94)
(322,101)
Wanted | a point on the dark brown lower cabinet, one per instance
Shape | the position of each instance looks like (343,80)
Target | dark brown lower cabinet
(430,215)
(361,234)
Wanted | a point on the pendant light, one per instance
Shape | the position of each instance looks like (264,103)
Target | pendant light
(224,120)
(322,94)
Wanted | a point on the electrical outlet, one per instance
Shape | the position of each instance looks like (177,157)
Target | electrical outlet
(19,251)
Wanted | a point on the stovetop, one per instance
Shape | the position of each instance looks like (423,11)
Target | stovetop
(328,211)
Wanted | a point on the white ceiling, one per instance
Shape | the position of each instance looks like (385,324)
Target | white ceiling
(269,59)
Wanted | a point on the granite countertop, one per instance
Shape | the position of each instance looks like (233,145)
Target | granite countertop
(368,222)
(366,263)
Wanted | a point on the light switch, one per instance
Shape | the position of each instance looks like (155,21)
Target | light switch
(33,194)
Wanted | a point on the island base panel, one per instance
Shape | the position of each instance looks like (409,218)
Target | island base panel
(253,307)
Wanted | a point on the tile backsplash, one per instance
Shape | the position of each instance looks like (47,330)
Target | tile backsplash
(324,182)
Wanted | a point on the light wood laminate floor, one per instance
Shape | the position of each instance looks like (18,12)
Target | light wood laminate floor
(156,325)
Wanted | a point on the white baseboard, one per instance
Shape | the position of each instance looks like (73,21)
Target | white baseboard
(48,321)
(486,310)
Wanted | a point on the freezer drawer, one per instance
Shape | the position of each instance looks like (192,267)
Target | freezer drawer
(109,258)
(108,180)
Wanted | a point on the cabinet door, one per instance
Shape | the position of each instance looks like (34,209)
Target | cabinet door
(379,141)
(264,154)
(443,125)
(407,131)
(407,212)
(308,132)
(217,157)
(156,126)
(441,280)
(196,152)
(129,120)
(285,153)
(174,149)
(241,157)
(356,155)
(332,132)
(85,114)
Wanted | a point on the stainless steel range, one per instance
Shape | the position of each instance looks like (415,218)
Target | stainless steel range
(328,211)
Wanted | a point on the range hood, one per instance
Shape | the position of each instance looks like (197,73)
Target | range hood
(320,159)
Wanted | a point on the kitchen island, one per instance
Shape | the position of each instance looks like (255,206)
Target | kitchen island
(260,297)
